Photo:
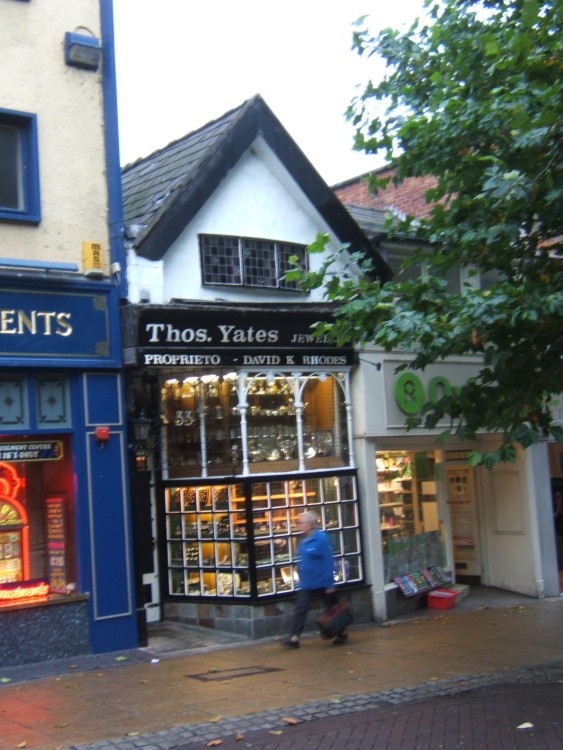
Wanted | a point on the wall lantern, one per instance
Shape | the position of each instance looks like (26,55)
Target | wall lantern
(101,434)
(142,428)
(82,51)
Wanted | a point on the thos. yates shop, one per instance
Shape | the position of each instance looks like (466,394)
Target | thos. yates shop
(242,419)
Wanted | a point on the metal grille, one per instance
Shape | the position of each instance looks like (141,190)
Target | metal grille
(229,674)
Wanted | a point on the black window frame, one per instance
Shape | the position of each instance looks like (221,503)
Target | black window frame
(248,262)
(238,535)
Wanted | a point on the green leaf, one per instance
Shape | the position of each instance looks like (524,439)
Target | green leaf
(530,12)
(473,104)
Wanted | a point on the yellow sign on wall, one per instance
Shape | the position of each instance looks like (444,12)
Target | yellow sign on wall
(93,259)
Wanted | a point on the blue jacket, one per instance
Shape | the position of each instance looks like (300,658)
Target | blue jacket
(315,564)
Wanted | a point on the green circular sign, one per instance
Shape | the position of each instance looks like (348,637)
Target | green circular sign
(409,393)
(438,383)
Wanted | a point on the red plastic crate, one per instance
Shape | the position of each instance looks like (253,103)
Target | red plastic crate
(442,599)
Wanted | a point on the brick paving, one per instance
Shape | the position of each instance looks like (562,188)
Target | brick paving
(483,718)
(478,712)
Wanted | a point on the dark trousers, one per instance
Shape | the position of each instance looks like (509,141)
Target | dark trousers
(302,604)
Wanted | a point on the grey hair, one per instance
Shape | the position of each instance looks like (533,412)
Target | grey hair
(310,518)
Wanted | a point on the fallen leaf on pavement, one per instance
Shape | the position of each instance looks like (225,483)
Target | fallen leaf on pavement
(215,719)
(214,743)
(5,679)
(276,731)
(525,725)
(22,744)
(290,720)
(120,658)
(239,737)
(132,734)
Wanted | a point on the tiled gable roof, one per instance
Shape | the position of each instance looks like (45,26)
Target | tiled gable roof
(152,184)
(162,192)
(371,220)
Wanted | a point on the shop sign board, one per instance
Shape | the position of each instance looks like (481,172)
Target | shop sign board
(46,324)
(407,392)
(32,450)
(23,591)
(188,338)
(411,390)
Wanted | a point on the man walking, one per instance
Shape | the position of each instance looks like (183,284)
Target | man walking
(316,576)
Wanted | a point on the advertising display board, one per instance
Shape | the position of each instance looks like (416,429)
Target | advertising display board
(56,543)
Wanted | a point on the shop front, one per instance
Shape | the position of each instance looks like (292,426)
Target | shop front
(65,568)
(250,424)
(433,518)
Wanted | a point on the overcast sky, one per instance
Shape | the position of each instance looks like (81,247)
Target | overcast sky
(182,63)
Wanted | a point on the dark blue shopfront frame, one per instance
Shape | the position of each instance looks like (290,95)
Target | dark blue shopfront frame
(75,328)
(108,526)
(72,327)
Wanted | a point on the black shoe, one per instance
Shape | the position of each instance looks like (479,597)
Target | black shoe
(288,643)
(340,639)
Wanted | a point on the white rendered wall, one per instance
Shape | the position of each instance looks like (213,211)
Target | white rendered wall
(68,105)
(256,199)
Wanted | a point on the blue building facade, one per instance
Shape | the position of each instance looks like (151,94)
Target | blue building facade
(67,581)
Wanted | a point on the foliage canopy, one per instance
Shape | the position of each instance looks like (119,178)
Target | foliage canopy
(473,96)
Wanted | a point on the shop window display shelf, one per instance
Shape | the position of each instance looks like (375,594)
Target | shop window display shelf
(240,541)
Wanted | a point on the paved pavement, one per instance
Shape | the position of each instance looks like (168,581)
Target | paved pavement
(498,717)
(489,676)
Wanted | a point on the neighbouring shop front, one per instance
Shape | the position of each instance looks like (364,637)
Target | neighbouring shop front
(245,421)
(432,517)
(66,580)
(428,522)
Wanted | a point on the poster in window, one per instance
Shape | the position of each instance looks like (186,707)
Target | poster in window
(56,544)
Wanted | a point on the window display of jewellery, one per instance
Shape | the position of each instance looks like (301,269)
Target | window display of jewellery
(239,540)
(226,423)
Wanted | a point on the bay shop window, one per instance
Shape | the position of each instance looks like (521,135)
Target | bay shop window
(243,454)
(248,423)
